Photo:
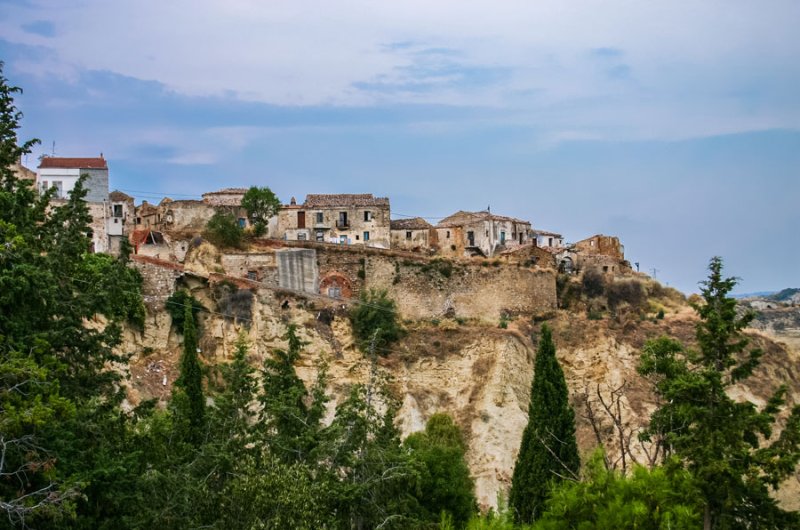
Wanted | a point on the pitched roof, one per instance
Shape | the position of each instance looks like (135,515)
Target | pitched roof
(461,217)
(118,196)
(73,163)
(227,191)
(546,233)
(417,223)
(344,200)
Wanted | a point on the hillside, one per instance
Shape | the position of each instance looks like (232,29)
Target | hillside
(467,363)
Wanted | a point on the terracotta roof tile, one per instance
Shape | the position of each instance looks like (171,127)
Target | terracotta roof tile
(118,196)
(344,200)
(417,223)
(73,163)
(227,191)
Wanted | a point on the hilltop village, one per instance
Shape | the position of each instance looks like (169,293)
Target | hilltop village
(166,231)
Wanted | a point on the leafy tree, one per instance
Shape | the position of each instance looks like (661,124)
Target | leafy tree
(191,401)
(60,319)
(261,204)
(375,322)
(223,230)
(445,484)
(548,452)
(718,438)
(661,498)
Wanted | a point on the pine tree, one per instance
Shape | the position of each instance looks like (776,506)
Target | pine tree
(548,452)
(290,415)
(190,381)
(718,438)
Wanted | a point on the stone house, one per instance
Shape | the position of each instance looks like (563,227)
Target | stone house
(225,197)
(410,234)
(147,216)
(481,233)
(544,238)
(63,173)
(120,219)
(349,219)
(601,252)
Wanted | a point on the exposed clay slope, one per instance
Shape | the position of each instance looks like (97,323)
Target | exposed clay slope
(479,374)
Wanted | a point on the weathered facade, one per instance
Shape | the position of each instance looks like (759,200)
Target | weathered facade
(63,173)
(484,233)
(349,219)
(602,245)
(23,173)
(225,197)
(121,219)
(543,238)
(411,234)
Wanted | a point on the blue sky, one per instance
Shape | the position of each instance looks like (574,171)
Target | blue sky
(674,125)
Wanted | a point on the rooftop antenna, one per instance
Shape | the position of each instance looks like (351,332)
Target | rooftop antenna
(655,272)
(54,148)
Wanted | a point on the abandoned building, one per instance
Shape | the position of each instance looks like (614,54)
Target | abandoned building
(480,233)
(349,219)
(411,234)
(121,219)
(543,238)
(225,197)
(23,173)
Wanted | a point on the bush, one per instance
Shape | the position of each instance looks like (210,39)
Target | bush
(593,283)
(660,315)
(626,291)
(222,230)
(375,318)
(176,307)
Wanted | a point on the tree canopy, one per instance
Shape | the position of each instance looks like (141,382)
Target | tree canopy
(261,204)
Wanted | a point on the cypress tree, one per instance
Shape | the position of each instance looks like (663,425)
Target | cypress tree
(190,380)
(548,452)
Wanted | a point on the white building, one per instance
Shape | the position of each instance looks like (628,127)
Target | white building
(63,173)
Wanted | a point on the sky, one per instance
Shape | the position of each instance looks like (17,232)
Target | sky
(674,125)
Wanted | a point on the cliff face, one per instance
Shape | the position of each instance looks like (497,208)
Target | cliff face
(474,370)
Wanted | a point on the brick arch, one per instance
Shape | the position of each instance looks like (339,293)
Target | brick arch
(332,281)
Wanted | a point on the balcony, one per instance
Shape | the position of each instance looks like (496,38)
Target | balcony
(342,224)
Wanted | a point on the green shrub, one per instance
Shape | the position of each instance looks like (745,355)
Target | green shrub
(660,315)
(223,230)
(176,307)
(375,318)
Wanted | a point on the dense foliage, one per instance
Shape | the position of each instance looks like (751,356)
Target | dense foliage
(223,230)
(375,322)
(261,204)
(445,484)
(720,439)
(548,452)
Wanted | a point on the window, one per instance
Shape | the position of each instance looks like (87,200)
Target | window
(44,186)
(334,292)
(367,216)
(301,237)
(366,236)
(356,237)
(448,234)
(59,186)
(502,237)
(408,235)
(252,275)
(117,210)
(242,222)
(319,217)
(320,235)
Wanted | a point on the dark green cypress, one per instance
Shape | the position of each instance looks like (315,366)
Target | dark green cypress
(190,380)
(548,452)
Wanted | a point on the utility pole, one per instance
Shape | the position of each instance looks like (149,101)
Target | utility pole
(655,272)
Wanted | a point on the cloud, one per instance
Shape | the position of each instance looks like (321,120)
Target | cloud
(43,28)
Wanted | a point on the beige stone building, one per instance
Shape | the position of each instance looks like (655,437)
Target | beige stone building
(348,219)
(481,233)
(411,234)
